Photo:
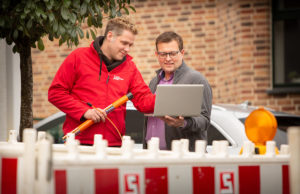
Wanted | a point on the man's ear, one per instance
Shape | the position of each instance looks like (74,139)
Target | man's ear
(182,52)
(109,36)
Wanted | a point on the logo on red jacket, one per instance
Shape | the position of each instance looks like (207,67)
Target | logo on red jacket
(117,78)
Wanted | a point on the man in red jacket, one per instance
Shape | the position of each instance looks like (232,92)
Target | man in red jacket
(96,76)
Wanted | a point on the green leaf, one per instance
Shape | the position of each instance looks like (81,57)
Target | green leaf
(80,32)
(29,24)
(49,6)
(44,16)
(119,13)
(15,49)
(73,18)
(64,13)
(89,21)
(51,17)
(41,44)
(83,9)
(113,12)
(61,29)
(97,9)
(105,7)
(87,34)
(15,34)
(99,20)
(55,26)
(23,16)
(50,37)
(76,4)
(91,11)
(26,10)
(33,45)
(9,40)
(93,34)
(76,41)
(2,22)
(133,9)
(61,41)
(20,28)
(26,32)
(39,12)
(67,3)
(126,10)
(73,33)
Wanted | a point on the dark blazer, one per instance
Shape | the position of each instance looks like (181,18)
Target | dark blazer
(196,127)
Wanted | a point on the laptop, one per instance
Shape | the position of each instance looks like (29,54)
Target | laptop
(178,100)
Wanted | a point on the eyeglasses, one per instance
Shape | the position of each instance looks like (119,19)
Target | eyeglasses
(164,55)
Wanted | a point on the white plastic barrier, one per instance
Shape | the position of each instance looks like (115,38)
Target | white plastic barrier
(71,168)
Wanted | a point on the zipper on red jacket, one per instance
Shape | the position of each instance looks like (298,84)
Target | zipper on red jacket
(107,79)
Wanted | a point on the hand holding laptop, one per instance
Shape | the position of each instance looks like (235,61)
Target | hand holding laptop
(173,121)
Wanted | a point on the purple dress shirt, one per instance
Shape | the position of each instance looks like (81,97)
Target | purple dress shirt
(155,126)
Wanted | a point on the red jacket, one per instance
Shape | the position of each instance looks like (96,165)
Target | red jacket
(77,82)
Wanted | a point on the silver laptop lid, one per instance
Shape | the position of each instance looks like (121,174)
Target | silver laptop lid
(178,100)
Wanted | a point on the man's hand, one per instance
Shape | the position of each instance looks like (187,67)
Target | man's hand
(95,114)
(173,122)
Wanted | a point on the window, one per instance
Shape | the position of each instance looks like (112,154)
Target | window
(214,134)
(286,43)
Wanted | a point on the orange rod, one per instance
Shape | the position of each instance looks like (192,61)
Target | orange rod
(83,126)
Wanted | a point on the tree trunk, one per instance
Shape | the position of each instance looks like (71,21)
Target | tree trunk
(26,120)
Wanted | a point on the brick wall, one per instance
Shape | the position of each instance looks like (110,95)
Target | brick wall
(229,41)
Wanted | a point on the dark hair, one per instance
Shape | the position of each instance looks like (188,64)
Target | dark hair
(118,24)
(168,37)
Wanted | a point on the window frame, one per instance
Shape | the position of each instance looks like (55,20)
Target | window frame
(281,15)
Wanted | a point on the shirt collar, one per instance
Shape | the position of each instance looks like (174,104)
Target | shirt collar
(162,76)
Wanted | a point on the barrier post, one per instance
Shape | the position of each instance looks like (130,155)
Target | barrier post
(44,163)
(29,160)
(294,142)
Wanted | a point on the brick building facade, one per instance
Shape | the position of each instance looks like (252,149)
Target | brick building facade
(229,41)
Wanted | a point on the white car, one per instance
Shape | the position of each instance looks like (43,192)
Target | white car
(227,123)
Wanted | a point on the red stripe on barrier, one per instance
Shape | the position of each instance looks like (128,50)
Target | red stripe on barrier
(107,181)
(60,181)
(285,179)
(9,175)
(249,179)
(204,180)
(156,180)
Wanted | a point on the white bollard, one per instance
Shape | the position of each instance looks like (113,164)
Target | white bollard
(29,136)
(223,148)
(41,135)
(127,148)
(72,146)
(284,149)
(184,145)
(176,148)
(153,147)
(215,147)
(248,149)
(125,137)
(100,146)
(270,149)
(200,147)
(294,170)
(219,148)
(44,165)
(12,138)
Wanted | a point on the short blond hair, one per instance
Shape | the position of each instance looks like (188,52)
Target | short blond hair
(118,24)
